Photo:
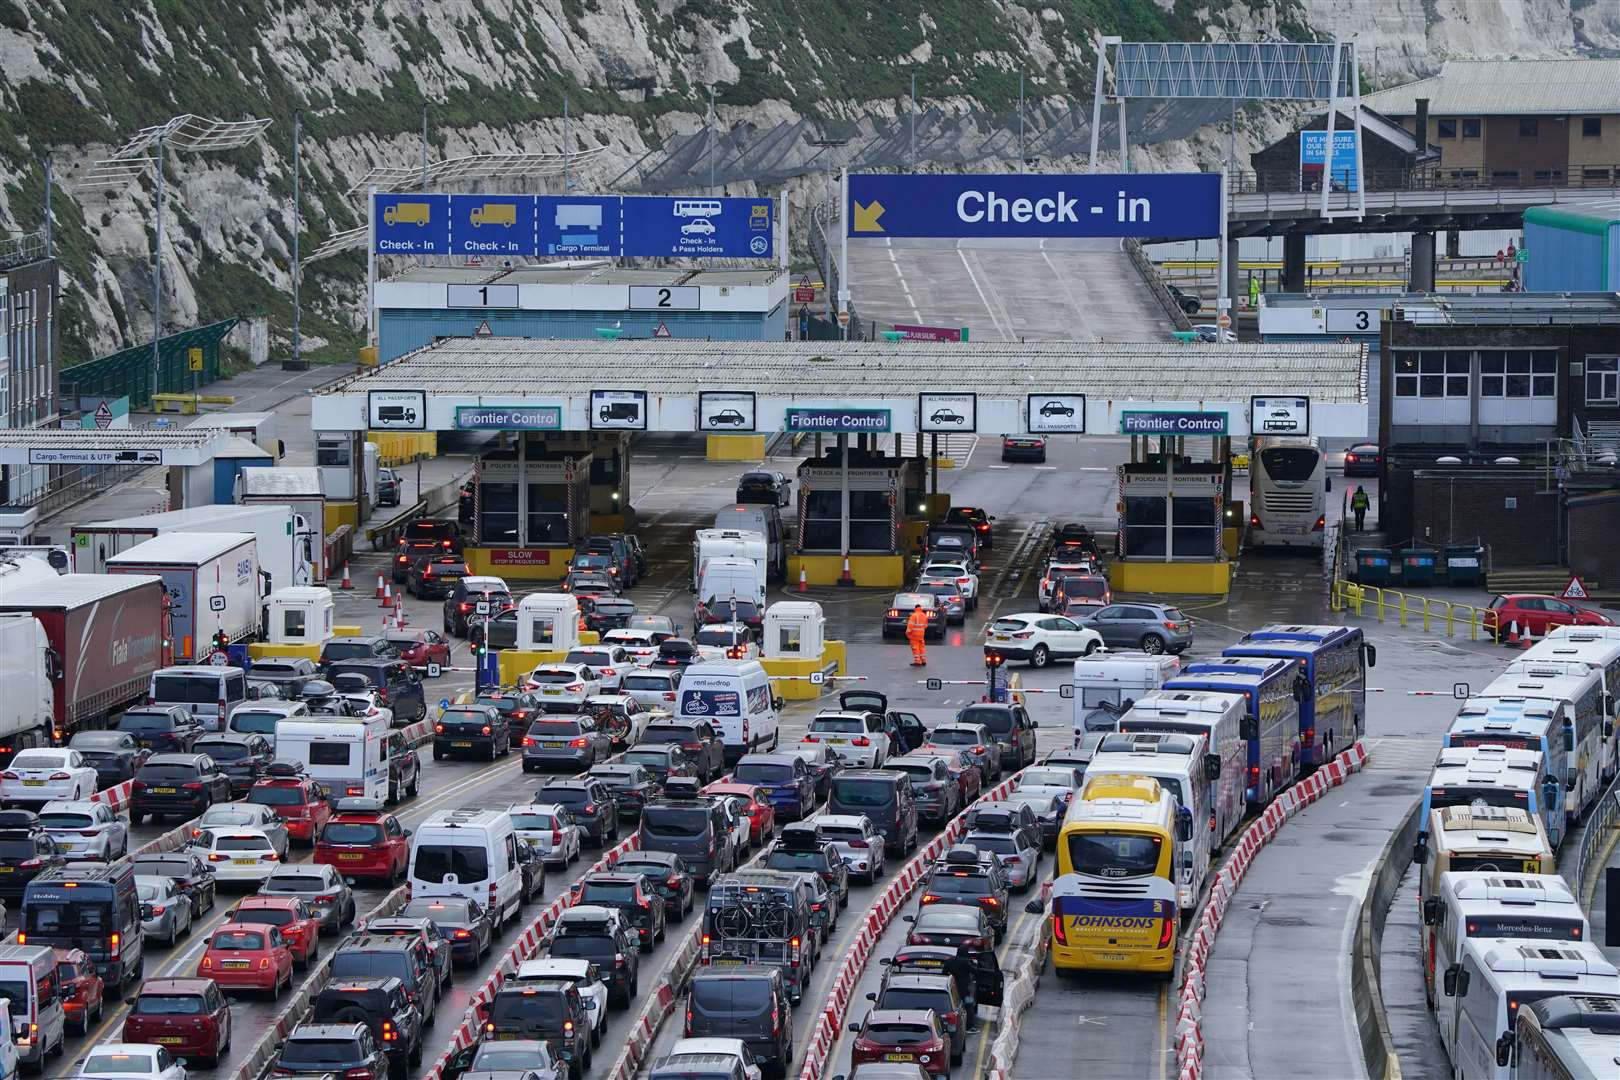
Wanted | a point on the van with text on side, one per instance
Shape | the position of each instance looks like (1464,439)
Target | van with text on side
(1491,776)
(1218,717)
(1489,904)
(1114,900)
(1496,977)
(1585,713)
(1597,647)
(736,698)
(1272,690)
(1334,661)
(88,906)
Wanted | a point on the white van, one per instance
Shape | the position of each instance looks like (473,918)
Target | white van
(1106,683)
(348,757)
(725,577)
(729,544)
(765,520)
(28,975)
(1489,904)
(1217,716)
(471,854)
(208,692)
(736,698)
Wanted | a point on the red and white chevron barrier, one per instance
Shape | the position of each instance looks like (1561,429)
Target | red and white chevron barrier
(889,902)
(117,796)
(1189,1036)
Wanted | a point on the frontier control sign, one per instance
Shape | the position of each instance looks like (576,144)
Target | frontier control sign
(1035,206)
(1169,422)
(837,420)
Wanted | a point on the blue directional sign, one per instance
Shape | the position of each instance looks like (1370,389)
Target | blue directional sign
(412,224)
(575,225)
(1032,206)
(491,224)
(701,228)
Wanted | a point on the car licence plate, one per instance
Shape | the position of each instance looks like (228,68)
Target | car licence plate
(234,964)
(244,862)
(550,690)
(169,1040)
(553,745)
(729,961)
(929,963)
(351,855)
(7,869)
(1292,530)
(467,745)
(509,1036)
(1000,637)
(33,783)
(161,790)
(899,1057)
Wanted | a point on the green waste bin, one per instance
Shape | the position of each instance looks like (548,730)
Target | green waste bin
(1465,565)
(1377,566)
(1418,565)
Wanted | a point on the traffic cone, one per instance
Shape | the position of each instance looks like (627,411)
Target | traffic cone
(381,587)
(387,596)
(1528,638)
(804,582)
(347,584)
(1512,633)
(399,616)
(844,576)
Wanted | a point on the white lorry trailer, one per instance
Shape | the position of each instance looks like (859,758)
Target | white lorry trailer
(286,538)
(213,584)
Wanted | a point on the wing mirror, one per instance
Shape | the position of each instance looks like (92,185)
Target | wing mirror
(1212,766)
(1431,911)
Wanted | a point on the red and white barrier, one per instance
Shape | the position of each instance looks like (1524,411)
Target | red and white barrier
(888,904)
(116,797)
(1189,1036)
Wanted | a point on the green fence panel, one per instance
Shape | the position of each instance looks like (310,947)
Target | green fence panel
(129,371)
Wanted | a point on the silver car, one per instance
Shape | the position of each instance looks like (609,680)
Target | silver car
(858,842)
(85,829)
(1019,857)
(327,894)
(165,912)
(222,817)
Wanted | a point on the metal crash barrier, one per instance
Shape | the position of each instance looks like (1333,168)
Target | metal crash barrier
(386,534)
(1409,609)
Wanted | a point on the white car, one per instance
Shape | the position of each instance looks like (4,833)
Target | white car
(241,854)
(739,829)
(130,1061)
(1040,638)
(563,687)
(607,662)
(642,645)
(368,703)
(735,1049)
(485,583)
(858,842)
(623,707)
(653,687)
(549,829)
(1055,571)
(42,775)
(1059,780)
(85,830)
(856,739)
(725,641)
(963,576)
(592,991)
(234,815)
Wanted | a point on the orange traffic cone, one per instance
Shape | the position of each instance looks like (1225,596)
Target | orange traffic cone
(1512,637)
(387,596)
(844,576)
(381,587)
(804,582)
(1528,638)
(399,616)
(347,584)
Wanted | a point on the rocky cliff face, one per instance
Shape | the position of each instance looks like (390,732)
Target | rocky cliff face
(80,77)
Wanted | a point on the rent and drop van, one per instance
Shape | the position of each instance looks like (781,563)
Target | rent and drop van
(736,698)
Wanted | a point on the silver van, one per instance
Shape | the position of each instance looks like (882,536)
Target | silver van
(28,981)
(208,692)
(765,520)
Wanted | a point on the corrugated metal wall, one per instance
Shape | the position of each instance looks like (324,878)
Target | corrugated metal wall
(403,331)
(1569,260)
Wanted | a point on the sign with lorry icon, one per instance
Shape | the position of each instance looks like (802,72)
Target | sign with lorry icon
(396,410)
(412,224)
(619,410)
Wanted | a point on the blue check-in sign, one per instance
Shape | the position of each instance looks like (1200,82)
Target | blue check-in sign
(509,417)
(1172,422)
(838,421)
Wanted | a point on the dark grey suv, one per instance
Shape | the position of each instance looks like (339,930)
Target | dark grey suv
(1153,628)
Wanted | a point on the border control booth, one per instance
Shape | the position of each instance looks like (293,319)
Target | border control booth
(531,506)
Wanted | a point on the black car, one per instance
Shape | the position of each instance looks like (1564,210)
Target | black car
(338,1049)
(547,1009)
(404,768)
(966,929)
(242,758)
(115,755)
(465,500)
(976,519)
(191,876)
(662,760)
(286,673)
(181,785)
(670,878)
(604,613)
(363,647)
(433,579)
(1190,305)
(968,876)
(1363,459)
(497,633)
(801,848)
(389,487)
(409,959)
(442,534)
(601,936)
(748,1002)
(519,707)
(935,992)
(632,785)
(468,925)
(635,895)
(384,1007)
(471,731)
(762,486)
(592,803)
(614,546)
(162,727)
(696,737)
(26,851)
(461,606)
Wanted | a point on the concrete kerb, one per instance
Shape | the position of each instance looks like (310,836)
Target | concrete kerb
(888,904)
(1366,947)
(1189,1033)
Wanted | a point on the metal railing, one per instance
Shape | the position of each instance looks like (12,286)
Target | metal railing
(1155,283)
(21,250)
(1597,176)
(1604,819)
(1371,601)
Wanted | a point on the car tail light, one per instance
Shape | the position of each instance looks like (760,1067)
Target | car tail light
(669,695)
(389,1034)
(61,776)
(360,1074)
(1349,457)
(462,935)
(492,894)
(989,901)
(88,832)
(576,687)
(861,844)
(556,836)
(930,898)
(264,963)
(807,738)
(9,775)
(672,881)
(446,545)
(214,856)
(1166,933)
(466,607)
(269,856)
(894,613)
(861,740)
(484,730)
(527,741)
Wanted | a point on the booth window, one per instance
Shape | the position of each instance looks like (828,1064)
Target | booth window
(545,630)
(292,623)
(789,639)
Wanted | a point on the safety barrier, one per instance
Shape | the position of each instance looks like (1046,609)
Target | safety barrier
(339,549)
(1017,995)
(1189,1038)
(115,797)
(831,1021)
(1604,818)
(262,1057)
(1367,946)
(1371,601)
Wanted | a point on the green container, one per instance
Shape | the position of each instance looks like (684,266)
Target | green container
(1465,565)
(1419,565)
(1377,566)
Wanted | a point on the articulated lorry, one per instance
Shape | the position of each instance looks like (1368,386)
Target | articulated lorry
(213,584)
(287,539)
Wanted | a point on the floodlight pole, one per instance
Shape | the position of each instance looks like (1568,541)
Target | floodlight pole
(568,147)
(710,127)
(913,121)
(371,265)
(844,209)
(157,266)
(298,223)
(424,150)
(1021,157)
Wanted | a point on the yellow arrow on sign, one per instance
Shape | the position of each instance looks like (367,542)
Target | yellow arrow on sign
(866,217)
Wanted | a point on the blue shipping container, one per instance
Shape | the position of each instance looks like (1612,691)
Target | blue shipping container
(1573,248)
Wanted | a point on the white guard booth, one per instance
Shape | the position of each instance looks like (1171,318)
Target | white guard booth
(548,622)
(298,615)
(795,630)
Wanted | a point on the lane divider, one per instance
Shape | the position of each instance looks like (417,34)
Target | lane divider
(1018,995)
(1189,1035)
(888,904)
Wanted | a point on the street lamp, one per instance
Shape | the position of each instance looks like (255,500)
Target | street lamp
(186,132)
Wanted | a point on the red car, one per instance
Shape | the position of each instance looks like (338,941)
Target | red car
(761,814)
(299,927)
(294,798)
(248,956)
(79,987)
(419,648)
(969,780)
(188,1017)
(907,1036)
(1537,614)
(362,840)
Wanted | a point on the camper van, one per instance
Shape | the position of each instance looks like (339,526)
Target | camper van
(1107,683)
(347,757)
(765,520)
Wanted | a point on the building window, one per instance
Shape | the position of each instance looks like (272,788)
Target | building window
(1445,128)
(1597,172)
(1591,127)
(1465,174)
(1549,174)
(1431,373)
(1471,129)
(1603,380)
(1518,373)
(1505,176)
(1529,127)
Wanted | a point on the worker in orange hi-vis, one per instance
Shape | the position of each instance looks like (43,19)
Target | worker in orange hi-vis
(917,634)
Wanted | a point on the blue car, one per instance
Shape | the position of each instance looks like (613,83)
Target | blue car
(786,778)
